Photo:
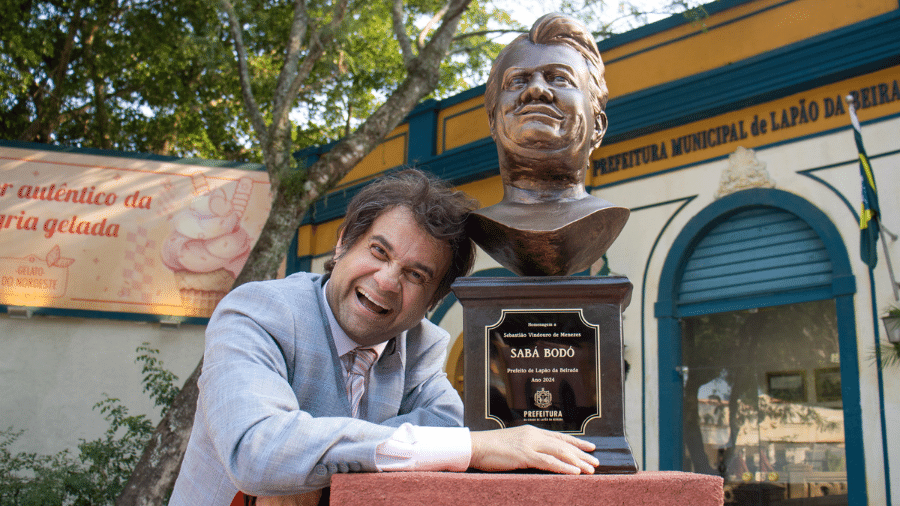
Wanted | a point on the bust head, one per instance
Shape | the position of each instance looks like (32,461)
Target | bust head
(545,99)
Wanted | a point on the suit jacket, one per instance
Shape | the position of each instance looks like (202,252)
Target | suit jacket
(273,416)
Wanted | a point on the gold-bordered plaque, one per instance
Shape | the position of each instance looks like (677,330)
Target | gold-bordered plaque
(543,369)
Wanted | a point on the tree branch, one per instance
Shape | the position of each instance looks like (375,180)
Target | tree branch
(319,40)
(256,119)
(400,33)
(290,75)
(440,43)
(292,55)
(47,101)
(317,46)
(434,19)
(484,33)
(421,79)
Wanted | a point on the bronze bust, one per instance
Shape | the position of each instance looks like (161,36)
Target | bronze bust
(545,100)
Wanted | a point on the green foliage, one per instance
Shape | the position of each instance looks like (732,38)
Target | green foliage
(890,355)
(159,382)
(28,479)
(121,74)
(98,473)
(161,77)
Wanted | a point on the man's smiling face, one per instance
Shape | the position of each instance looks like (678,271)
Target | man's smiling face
(544,103)
(383,284)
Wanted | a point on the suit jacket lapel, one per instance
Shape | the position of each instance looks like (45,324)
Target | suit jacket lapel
(340,378)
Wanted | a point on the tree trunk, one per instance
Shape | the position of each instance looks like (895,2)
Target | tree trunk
(155,474)
(293,192)
(693,435)
(152,479)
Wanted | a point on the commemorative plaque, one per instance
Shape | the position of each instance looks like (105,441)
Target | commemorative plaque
(547,351)
(545,348)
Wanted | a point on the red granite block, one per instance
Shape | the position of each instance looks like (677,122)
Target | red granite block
(651,488)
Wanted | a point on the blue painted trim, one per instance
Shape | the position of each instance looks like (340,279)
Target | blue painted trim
(442,309)
(721,210)
(700,30)
(818,61)
(684,202)
(302,264)
(743,303)
(662,25)
(472,162)
(133,155)
(461,97)
(827,58)
(110,315)
(884,433)
(842,290)
(422,140)
(809,173)
(850,207)
(310,155)
(478,160)
(671,425)
(854,447)
(293,262)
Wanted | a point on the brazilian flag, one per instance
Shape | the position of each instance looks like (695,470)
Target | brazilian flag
(868,216)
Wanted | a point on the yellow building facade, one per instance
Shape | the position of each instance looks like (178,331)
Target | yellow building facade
(752,335)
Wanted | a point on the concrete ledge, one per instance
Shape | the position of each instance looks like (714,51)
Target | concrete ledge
(651,488)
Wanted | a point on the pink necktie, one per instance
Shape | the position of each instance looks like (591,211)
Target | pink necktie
(361,361)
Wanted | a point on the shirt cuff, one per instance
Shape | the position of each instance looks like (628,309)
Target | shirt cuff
(415,448)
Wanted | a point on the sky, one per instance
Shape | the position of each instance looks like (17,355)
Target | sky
(527,11)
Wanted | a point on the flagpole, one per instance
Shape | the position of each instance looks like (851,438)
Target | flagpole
(868,184)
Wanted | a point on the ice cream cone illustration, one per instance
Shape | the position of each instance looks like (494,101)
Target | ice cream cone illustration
(207,247)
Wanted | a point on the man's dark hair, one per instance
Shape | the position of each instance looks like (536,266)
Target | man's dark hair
(436,206)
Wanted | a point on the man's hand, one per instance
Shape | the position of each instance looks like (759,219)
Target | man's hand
(529,447)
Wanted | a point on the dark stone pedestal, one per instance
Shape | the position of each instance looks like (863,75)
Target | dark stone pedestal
(547,351)
(498,489)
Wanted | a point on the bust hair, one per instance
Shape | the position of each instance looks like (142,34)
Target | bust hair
(437,207)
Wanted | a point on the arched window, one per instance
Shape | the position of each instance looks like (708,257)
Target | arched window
(758,363)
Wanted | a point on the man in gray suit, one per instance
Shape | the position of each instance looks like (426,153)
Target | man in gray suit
(282,404)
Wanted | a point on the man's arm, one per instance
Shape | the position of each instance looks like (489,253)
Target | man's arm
(268,442)
(497,450)
(269,445)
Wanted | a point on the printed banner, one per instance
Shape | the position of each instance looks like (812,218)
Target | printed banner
(106,233)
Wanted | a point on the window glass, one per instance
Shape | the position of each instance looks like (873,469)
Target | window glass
(762,403)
